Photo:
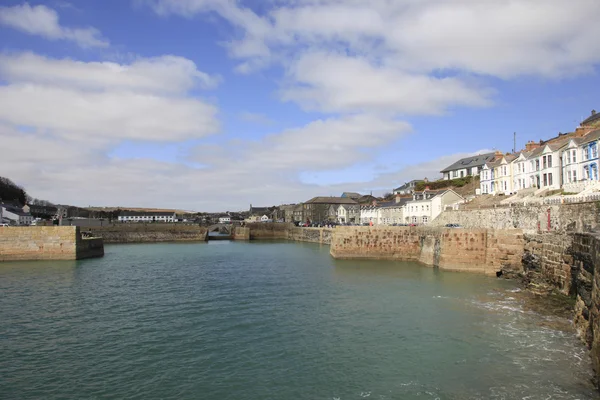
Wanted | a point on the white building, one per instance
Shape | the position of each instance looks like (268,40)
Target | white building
(428,204)
(520,169)
(370,214)
(224,219)
(147,216)
(265,218)
(15,215)
(544,166)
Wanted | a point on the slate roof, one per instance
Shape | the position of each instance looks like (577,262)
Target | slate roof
(330,200)
(352,195)
(593,135)
(259,210)
(15,210)
(590,119)
(408,184)
(470,162)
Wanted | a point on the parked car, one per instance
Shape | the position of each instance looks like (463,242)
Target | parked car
(4,225)
(452,226)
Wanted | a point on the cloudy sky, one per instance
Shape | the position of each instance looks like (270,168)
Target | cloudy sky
(212,105)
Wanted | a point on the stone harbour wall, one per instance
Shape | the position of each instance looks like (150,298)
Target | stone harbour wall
(47,243)
(531,218)
(313,235)
(149,233)
(473,250)
(269,231)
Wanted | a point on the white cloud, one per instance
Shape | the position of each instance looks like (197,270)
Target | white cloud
(106,101)
(43,21)
(165,74)
(338,83)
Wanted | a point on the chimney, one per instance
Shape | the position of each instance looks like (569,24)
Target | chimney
(498,154)
(593,112)
(530,145)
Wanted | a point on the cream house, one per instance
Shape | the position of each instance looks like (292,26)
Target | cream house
(427,205)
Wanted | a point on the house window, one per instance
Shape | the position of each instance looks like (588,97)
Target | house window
(505,187)
(574,176)
(586,173)
(544,162)
(537,165)
(569,176)
(454,174)
(425,220)
(505,171)
(549,161)
(574,156)
(568,158)
(549,179)
(594,151)
(545,179)
(414,220)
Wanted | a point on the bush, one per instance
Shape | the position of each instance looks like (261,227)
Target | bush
(443,184)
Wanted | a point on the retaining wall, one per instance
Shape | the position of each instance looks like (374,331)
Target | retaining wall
(532,218)
(47,243)
(153,232)
(313,235)
(473,250)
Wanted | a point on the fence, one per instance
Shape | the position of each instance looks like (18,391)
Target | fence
(573,199)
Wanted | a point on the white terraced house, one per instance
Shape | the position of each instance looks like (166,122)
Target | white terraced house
(497,175)
(520,172)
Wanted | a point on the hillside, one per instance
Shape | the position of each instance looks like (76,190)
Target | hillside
(11,192)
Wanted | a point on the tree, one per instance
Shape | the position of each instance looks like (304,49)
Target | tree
(11,192)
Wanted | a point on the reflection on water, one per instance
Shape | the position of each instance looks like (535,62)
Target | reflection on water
(239,320)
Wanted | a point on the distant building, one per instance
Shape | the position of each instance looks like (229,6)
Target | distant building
(468,166)
(428,204)
(147,216)
(407,188)
(320,210)
(351,195)
(225,219)
(15,215)
(347,213)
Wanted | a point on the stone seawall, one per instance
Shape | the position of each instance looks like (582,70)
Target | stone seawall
(566,263)
(313,235)
(473,250)
(269,231)
(149,233)
(532,218)
(47,243)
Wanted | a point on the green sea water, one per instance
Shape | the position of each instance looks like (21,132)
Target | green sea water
(273,320)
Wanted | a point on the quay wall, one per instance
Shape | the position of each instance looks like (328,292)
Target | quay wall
(269,231)
(473,250)
(566,263)
(531,218)
(47,243)
(149,233)
(313,235)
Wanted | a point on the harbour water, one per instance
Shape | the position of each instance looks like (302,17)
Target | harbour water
(274,320)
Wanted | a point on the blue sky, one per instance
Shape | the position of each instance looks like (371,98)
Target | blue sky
(214,104)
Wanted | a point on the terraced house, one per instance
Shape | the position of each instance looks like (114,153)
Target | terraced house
(468,166)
